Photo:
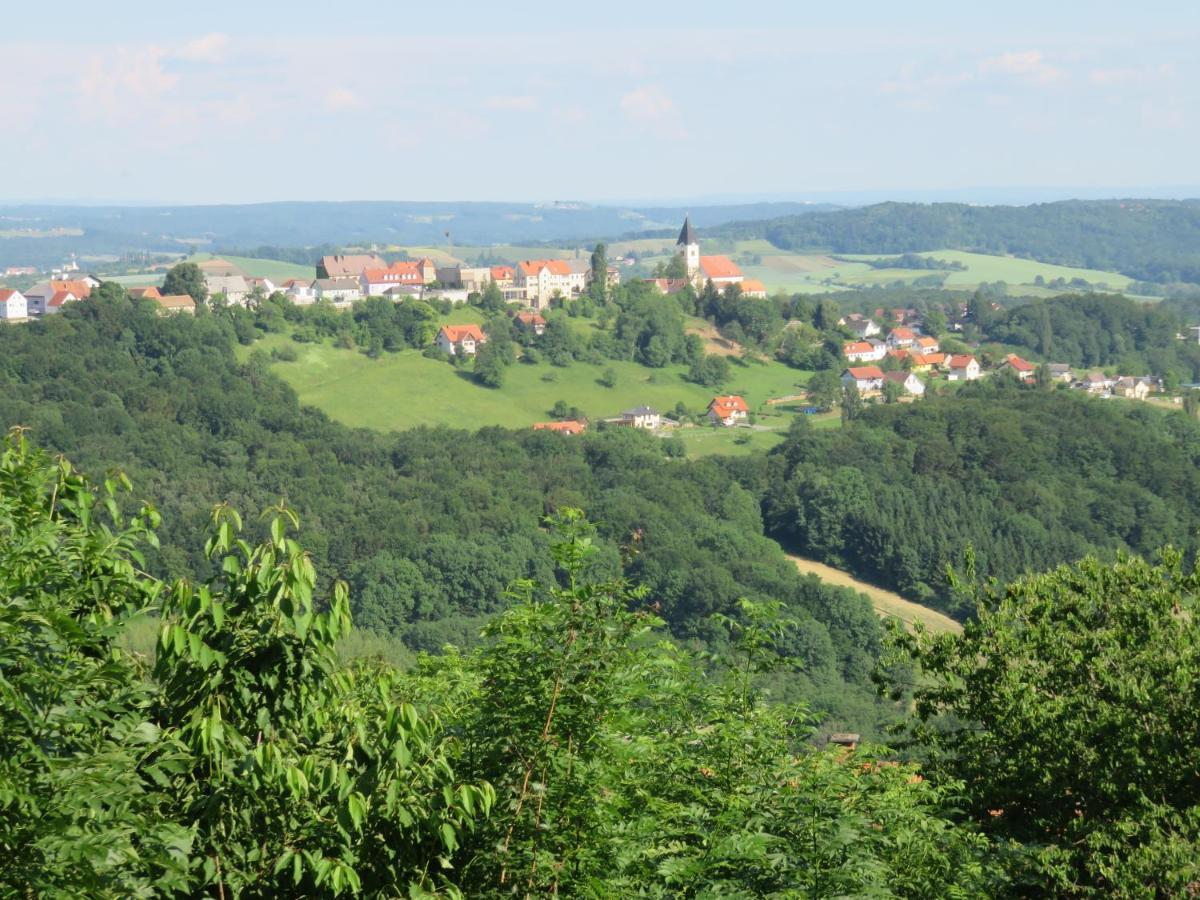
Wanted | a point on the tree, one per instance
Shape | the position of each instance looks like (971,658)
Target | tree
(599,277)
(852,402)
(934,323)
(824,389)
(608,378)
(892,391)
(491,361)
(186,278)
(492,299)
(1066,710)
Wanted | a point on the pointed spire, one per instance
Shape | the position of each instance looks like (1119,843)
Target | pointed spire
(688,234)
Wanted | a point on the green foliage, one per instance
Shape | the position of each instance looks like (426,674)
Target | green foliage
(1067,711)
(186,278)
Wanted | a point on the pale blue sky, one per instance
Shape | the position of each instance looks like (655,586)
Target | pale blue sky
(232,102)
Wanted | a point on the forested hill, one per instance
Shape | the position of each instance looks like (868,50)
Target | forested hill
(429,527)
(1151,240)
(1023,476)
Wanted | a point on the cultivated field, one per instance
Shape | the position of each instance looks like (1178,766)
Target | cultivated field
(274,269)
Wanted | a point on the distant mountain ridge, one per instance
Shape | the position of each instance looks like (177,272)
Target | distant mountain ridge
(1150,240)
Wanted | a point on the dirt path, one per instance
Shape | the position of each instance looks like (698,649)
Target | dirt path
(887,603)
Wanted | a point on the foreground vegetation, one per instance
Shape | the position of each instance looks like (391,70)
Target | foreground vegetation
(572,754)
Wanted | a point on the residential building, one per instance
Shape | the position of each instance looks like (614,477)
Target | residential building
(641,417)
(1060,372)
(901,338)
(567,426)
(300,290)
(338,291)
(864,351)
(143,293)
(1097,383)
(233,288)
(13,304)
(504,276)
(1023,369)
(464,339)
(752,287)
(530,321)
(38,297)
(20,271)
(1131,388)
(962,368)
(669,286)
(375,282)
(913,386)
(860,326)
(868,379)
(349,266)
(256,283)
(56,303)
(541,279)
(927,345)
(176,303)
(728,410)
(925,362)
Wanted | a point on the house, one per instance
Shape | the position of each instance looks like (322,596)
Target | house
(612,277)
(503,275)
(1023,369)
(1097,383)
(913,386)
(927,345)
(1132,388)
(728,410)
(427,269)
(143,293)
(176,303)
(266,285)
(752,287)
(925,362)
(962,368)
(901,338)
(350,266)
(541,279)
(641,417)
(38,297)
(567,426)
(464,339)
(375,282)
(1060,372)
(669,286)
(867,379)
(300,291)
(860,325)
(13,304)
(720,270)
(864,351)
(530,321)
(339,291)
(56,303)
(233,288)
(20,271)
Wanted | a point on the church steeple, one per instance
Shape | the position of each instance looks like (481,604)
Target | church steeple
(689,248)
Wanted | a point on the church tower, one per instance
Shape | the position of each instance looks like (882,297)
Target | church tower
(689,248)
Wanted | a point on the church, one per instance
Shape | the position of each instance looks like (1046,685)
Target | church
(720,270)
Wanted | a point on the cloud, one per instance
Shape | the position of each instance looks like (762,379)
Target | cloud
(1030,65)
(651,105)
(1128,75)
(125,83)
(342,99)
(207,49)
(515,103)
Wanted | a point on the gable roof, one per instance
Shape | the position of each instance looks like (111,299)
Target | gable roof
(865,373)
(719,267)
(639,411)
(534,266)
(904,334)
(502,273)
(456,333)
(687,234)
(961,361)
(176,301)
(753,286)
(898,377)
(337,284)
(61,297)
(530,318)
(226,284)
(858,347)
(79,288)
(350,265)
(7,294)
(144,293)
(726,405)
(1017,364)
(927,342)
(398,272)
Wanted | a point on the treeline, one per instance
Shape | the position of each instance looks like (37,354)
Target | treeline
(1006,478)
(429,527)
(1055,743)
(1150,240)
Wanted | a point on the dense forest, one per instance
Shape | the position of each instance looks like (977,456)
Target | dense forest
(1151,240)
(1013,477)
(1052,746)
(429,527)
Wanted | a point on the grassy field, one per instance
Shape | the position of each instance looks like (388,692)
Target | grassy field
(887,603)
(405,390)
(274,269)
(710,441)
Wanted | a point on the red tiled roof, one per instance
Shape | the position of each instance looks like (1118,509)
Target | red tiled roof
(862,373)
(569,426)
(61,297)
(502,273)
(728,404)
(898,377)
(80,289)
(397,273)
(531,267)
(176,301)
(753,286)
(455,333)
(719,267)
(1018,364)
(857,347)
(6,294)
(927,342)
(961,361)
(904,334)
(530,318)
(349,266)
(144,293)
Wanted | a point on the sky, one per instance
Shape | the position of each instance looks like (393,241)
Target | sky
(224,102)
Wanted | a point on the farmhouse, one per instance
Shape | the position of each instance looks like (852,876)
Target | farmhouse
(865,351)
(339,291)
(728,410)
(13,304)
(348,266)
(176,303)
(1097,383)
(464,339)
(143,293)
(962,368)
(530,321)
(568,426)
(866,378)
(1021,368)
(911,383)
(641,417)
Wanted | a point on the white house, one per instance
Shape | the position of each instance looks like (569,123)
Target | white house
(860,326)
(1023,369)
(233,287)
(911,383)
(56,303)
(13,304)
(300,291)
(464,339)
(728,410)
(866,378)
(541,279)
(962,368)
(376,282)
(865,351)
(901,338)
(641,417)
(338,291)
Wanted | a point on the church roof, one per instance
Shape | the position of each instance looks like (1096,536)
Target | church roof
(688,234)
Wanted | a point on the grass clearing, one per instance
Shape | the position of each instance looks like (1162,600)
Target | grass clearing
(702,440)
(888,604)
